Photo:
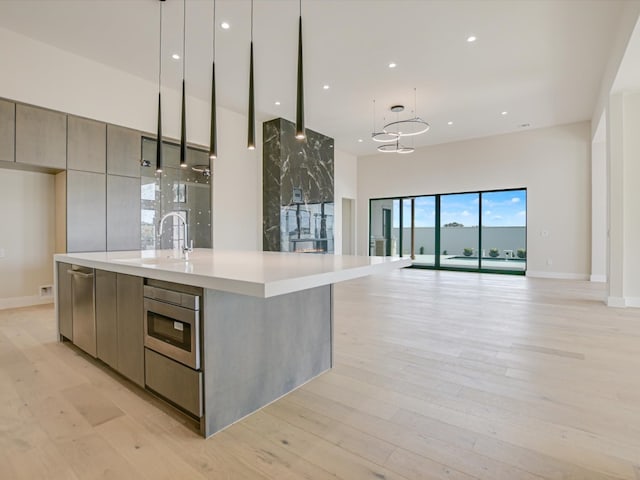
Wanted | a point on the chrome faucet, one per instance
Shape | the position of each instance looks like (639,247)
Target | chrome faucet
(186,247)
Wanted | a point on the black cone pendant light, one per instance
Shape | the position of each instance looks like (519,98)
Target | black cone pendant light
(213,143)
(183,130)
(300,133)
(159,134)
(251,131)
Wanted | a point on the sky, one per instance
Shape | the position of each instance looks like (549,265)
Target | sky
(505,208)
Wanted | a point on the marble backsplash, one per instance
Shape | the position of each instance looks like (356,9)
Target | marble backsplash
(297,175)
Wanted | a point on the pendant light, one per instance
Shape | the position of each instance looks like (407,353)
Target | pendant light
(183,130)
(395,147)
(159,134)
(251,136)
(300,131)
(213,144)
(407,128)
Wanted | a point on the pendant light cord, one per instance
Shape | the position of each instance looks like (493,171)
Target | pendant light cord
(214,30)
(160,50)
(184,36)
(251,21)
(374,116)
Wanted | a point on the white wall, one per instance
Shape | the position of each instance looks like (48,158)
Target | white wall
(554,164)
(26,236)
(346,186)
(237,186)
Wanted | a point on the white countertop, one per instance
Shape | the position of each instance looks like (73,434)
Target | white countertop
(259,274)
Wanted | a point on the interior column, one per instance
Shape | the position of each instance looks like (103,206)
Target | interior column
(623,170)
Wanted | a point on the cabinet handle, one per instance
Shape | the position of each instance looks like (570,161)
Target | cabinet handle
(79,274)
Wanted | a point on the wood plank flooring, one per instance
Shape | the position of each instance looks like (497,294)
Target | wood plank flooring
(438,375)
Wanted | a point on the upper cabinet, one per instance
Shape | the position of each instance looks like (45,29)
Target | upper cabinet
(86,146)
(123,151)
(41,137)
(123,213)
(7,130)
(86,211)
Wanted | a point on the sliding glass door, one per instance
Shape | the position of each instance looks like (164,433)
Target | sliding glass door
(477,231)
(459,220)
(504,237)
(424,231)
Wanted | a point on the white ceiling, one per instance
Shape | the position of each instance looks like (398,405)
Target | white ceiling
(539,60)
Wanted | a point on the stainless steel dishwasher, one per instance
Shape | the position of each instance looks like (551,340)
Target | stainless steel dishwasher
(83,308)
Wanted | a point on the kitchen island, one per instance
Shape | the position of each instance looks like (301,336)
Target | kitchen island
(264,322)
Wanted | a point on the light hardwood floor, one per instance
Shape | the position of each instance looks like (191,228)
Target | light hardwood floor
(437,375)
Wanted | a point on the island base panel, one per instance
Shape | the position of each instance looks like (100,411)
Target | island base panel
(258,349)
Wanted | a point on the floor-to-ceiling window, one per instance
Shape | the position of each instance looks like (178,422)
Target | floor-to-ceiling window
(504,238)
(478,231)
(424,231)
(459,223)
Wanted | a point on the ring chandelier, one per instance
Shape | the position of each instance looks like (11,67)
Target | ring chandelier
(392,132)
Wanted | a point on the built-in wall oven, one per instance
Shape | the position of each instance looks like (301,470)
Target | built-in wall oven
(172,324)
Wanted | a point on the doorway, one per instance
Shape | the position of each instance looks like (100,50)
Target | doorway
(348,227)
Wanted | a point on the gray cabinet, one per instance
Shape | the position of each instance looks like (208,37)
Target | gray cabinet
(86,211)
(123,151)
(106,318)
(119,323)
(123,213)
(65,315)
(130,320)
(174,381)
(7,131)
(41,137)
(86,145)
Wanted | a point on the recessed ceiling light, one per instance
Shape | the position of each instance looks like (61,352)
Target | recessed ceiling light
(175,56)
(277,103)
(360,140)
(449,122)
(393,65)
(504,113)
(326,87)
(225,25)
(471,38)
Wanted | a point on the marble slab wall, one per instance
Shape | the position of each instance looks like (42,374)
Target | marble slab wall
(298,182)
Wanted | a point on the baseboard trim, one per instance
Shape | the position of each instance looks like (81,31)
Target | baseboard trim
(598,278)
(618,302)
(558,275)
(633,302)
(18,302)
